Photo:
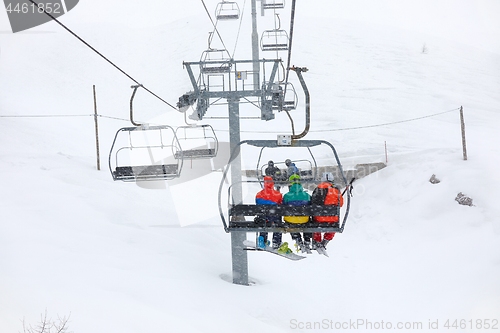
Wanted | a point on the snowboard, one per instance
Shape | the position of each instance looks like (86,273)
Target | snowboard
(250,246)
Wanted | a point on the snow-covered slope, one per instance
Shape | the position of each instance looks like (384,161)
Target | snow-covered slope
(113,255)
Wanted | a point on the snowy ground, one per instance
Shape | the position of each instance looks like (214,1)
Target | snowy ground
(113,255)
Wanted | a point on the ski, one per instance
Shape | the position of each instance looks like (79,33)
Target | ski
(322,251)
(250,246)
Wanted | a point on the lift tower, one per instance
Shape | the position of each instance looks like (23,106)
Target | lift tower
(217,76)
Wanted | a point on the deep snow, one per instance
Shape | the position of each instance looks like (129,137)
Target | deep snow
(113,254)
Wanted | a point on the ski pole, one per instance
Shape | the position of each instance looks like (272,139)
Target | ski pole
(349,186)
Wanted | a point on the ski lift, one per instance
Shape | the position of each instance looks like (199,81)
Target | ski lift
(307,171)
(273,4)
(199,141)
(215,61)
(227,10)
(274,40)
(145,153)
(283,97)
(238,211)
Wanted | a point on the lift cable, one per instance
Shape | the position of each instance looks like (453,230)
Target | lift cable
(215,28)
(239,28)
(292,21)
(100,54)
(358,127)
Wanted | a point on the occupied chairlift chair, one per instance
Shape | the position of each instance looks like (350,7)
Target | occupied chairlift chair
(234,218)
(227,10)
(284,97)
(145,152)
(307,170)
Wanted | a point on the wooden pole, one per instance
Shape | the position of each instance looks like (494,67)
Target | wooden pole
(462,123)
(385,145)
(96,131)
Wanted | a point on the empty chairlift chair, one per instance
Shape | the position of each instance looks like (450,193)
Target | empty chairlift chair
(145,153)
(215,61)
(227,10)
(198,141)
(274,40)
(273,4)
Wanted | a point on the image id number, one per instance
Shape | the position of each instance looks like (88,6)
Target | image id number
(478,324)
(51,8)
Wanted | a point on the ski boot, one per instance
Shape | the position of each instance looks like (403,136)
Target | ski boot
(307,247)
(261,243)
(299,245)
(284,248)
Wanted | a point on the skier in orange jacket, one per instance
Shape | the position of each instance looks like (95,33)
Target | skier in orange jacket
(325,194)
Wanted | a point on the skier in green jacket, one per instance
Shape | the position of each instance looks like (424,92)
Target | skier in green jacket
(296,196)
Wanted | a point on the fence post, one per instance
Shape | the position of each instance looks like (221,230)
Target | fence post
(462,123)
(96,130)
(385,146)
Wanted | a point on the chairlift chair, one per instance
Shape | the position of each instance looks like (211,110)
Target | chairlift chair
(234,218)
(273,4)
(199,141)
(227,10)
(283,97)
(215,61)
(145,153)
(307,170)
(274,40)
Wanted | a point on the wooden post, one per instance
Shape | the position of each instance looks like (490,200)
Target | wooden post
(385,145)
(464,147)
(96,131)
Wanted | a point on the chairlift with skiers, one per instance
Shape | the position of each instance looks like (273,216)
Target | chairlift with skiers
(234,214)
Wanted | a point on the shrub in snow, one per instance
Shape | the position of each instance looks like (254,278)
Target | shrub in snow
(47,325)
(425,49)
(434,180)
(463,199)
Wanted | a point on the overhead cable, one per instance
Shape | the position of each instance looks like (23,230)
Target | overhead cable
(100,54)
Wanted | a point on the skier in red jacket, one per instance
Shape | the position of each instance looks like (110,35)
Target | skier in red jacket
(325,194)
(269,196)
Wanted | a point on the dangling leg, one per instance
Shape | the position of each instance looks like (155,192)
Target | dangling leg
(277,236)
(327,238)
(307,241)
(299,244)
(316,240)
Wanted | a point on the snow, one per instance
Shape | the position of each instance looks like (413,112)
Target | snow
(125,257)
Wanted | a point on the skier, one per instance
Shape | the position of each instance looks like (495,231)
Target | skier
(325,194)
(296,196)
(269,196)
(274,172)
(291,168)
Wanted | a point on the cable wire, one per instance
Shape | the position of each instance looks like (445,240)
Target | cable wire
(100,54)
(45,116)
(359,127)
(215,28)
(239,28)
